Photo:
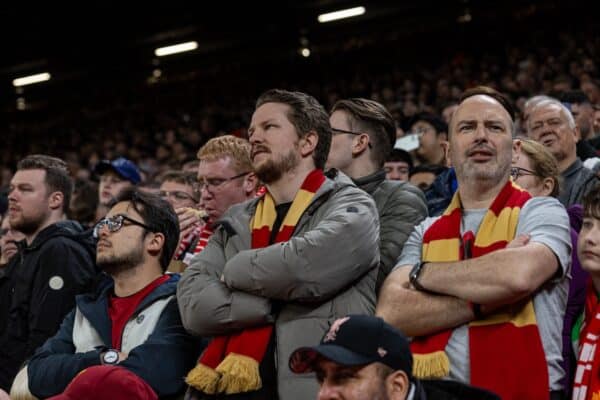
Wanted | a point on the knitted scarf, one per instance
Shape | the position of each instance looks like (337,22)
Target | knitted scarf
(506,353)
(587,379)
(230,364)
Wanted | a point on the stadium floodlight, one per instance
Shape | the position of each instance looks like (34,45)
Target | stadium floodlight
(341,14)
(31,79)
(176,48)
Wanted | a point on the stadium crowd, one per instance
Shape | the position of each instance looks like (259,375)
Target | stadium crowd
(289,248)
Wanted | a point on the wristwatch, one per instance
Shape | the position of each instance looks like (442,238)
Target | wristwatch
(110,357)
(413,276)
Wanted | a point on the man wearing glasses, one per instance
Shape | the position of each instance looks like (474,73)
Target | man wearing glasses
(180,189)
(224,178)
(363,133)
(129,328)
(280,267)
(482,288)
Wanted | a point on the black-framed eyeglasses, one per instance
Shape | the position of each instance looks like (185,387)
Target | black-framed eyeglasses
(334,130)
(177,195)
(217,182)
(115,223)
(517,172)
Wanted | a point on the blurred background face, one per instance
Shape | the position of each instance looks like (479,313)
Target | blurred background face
(396,170)
(179,195)
(8,239)
(218,191)
(527,179)
(550,127)
(110,186)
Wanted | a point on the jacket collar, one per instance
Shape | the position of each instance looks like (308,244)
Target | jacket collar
(370,182)
(95,306)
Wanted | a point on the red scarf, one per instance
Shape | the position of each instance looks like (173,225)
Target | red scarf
(506,352)
(230,364)
(587,375)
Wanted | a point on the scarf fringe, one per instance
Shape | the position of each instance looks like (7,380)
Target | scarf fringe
(239,374)
(204,379)
(431,365)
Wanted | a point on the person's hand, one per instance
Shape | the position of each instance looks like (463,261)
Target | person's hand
(189,219)
(122,357)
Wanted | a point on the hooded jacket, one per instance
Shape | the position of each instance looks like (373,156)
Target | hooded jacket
(159,350)
(38,288)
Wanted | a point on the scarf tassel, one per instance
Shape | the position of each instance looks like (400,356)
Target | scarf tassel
(204,379)
(431,365)
(239,374)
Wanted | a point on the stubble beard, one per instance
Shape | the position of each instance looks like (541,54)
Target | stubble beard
(115,264)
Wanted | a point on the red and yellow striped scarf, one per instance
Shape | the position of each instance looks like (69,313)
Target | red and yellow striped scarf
(506,353)
(230,364)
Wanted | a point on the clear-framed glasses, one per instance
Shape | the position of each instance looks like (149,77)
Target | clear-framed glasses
(517,172)
(336,130)
(115,223)
(215,183)
(177,195)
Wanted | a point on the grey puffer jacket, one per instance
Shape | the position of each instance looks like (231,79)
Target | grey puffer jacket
(326,270)
(401,206)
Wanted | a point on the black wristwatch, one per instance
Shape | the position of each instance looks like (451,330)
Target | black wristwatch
(413,277)
(110,357)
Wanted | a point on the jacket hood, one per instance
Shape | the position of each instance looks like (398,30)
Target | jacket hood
(68,229)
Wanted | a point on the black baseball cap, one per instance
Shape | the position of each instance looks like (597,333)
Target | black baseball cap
(357,340)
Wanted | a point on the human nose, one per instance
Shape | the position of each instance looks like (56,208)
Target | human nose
(328,392)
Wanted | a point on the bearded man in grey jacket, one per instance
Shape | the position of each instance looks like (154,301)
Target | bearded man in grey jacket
(281,268)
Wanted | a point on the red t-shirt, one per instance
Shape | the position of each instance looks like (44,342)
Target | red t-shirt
(120,309)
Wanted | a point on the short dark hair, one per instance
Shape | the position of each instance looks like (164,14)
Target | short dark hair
(306,114)
(158,214)
(438,124)
(574,97)
(493,93)
(375,120)
(401,155)
(57,174)
(430,168)
(182,177)
(591,203)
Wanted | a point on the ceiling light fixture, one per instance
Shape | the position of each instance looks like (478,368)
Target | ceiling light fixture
(341,14)
(176,48)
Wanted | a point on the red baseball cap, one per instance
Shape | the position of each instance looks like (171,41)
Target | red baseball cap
(107,382)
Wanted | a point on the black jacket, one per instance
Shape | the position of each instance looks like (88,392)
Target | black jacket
(449,390)
(38,288)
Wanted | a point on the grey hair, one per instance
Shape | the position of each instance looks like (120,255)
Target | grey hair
(553,102)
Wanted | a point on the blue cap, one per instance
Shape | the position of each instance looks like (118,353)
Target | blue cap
(122,166)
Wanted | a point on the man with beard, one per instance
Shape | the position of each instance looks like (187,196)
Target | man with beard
(55,261)
(482,289)
(130,323)
(280,267)
(552,125)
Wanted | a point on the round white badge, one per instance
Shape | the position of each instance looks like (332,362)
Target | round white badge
(56,282)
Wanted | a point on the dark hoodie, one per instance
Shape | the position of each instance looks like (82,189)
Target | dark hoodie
(38,288)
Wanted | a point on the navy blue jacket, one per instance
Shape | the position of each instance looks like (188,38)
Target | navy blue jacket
(163,360)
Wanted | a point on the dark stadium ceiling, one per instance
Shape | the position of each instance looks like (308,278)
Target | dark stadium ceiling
(116,42)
